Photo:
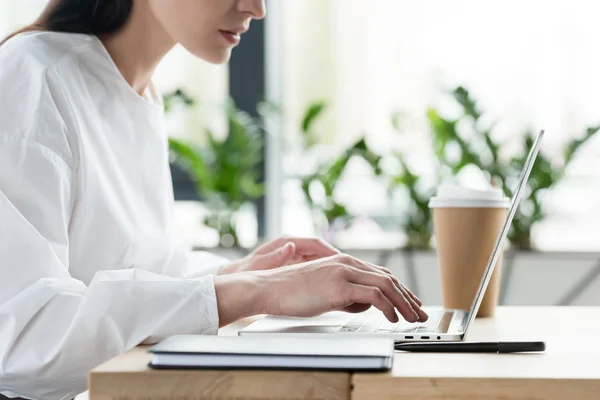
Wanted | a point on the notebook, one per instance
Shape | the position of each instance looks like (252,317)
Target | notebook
(255,352)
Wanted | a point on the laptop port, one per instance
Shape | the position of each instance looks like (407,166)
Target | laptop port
(424,337)
(409,337)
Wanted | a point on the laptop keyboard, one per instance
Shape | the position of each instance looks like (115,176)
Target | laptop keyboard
(379,324)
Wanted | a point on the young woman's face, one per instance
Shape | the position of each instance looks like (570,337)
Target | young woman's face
(209,29)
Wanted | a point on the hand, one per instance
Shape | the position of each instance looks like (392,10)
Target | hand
(338,282)
(280,252)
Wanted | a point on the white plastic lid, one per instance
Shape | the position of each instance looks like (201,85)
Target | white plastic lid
(454,196)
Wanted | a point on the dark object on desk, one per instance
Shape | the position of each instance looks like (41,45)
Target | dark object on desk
(478,347)
(264,352)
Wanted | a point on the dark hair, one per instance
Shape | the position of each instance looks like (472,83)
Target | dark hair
(92,17)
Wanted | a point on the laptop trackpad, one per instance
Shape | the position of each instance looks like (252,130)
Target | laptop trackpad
(327,323)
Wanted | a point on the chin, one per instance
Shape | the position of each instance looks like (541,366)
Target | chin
(214,57)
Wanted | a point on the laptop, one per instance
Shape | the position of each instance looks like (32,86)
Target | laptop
(448,325)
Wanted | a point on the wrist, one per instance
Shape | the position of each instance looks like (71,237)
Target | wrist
(228,269)
(233,267)
(238,296)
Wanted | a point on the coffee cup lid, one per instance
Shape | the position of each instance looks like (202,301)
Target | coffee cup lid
(453,196)
(437,202)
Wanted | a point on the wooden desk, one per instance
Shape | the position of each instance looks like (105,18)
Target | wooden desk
(128,377)
(570,369)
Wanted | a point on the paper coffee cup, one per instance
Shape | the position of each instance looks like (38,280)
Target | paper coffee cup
(466,225)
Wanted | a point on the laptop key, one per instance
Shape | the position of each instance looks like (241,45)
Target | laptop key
(406,324)
(371,326)
(405,329)
(424,329)
(386,330)
(349,328)
(389,325)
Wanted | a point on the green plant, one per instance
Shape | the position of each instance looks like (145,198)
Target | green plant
(455,151)
(226,173)
(416,222)
(327,175)
(177,98)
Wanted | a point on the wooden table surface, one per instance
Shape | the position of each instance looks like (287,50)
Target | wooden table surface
(569,369)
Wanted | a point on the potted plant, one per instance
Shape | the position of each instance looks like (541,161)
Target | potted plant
(416,221)
(484,152)
(452,153)
(329,214)
(226,173)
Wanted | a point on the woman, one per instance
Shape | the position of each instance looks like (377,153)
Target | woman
(89,265)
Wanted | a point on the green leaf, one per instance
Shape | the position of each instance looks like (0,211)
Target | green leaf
(268,109)
(360,146)
(443,132)
(189,159)
(492,146)
(250,188)
(336,211)
(177,97)
(575,144)
(462,96)
(397,118)
(312,114)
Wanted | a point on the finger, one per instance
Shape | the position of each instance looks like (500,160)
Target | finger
(313,246)
(275,258)
(413,296)
(356,308)
(410,294)
(308,257)
(417,307)
(386,284)
(414,301)
(272,245)
(372,295)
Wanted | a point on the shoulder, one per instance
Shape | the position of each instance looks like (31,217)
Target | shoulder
(42,49)
(33,104)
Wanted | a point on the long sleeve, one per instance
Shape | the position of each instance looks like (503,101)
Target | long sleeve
(188,264)
(183,262)
(54,328)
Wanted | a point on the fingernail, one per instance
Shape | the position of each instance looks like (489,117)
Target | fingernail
(284,248)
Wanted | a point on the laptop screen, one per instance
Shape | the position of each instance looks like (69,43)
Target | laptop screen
(499,245)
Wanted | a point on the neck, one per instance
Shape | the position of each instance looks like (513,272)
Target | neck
(138,47)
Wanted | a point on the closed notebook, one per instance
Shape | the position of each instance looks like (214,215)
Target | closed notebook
(255,352)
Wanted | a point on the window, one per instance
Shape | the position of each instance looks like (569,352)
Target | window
(530,64)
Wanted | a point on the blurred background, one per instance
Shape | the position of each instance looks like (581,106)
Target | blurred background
(339,118)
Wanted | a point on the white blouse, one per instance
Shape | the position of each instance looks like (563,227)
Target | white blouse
(89,264)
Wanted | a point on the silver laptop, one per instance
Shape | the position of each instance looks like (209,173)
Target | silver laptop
(442,325)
